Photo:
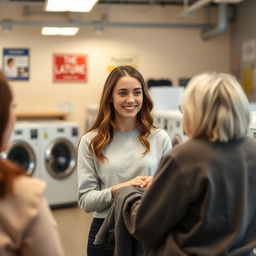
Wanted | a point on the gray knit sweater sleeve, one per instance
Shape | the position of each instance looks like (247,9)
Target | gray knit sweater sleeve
(90,195)
(125,161)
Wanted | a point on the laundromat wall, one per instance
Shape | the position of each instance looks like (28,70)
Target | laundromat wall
(244,34)
(169,53)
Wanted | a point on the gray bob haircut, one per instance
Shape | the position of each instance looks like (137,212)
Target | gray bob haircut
(216,107)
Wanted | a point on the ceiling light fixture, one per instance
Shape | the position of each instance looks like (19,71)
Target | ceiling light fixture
(69,5)
(59,31)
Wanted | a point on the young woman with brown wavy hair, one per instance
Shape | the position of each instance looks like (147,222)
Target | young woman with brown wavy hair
(123,147)
(27,226)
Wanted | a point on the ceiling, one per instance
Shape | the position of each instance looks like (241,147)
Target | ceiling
(131,2)
(75,20)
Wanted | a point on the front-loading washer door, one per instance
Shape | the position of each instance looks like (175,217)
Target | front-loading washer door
(60,158)
(21,153)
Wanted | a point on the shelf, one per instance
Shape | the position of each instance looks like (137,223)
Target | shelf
(41,115)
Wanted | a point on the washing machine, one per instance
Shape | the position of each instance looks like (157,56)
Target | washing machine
(162,120)
(24,147)
(58,157)
(171,121)
(178,134)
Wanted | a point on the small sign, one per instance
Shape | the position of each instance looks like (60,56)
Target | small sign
(122,60)
(247,78)
(16,63)
(69,68)
(249,51)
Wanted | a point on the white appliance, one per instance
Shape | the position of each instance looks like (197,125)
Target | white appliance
(178,135)
(171,121)
(166,97)
(252,126)
(58,146)
(24,147)
(91,114)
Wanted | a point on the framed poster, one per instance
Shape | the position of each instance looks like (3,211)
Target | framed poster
(16,63)
(69,68)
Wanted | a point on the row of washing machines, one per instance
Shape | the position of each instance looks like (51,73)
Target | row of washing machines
(48,150)
(171,121)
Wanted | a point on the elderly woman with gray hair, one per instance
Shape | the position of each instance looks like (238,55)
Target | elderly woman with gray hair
(202,200)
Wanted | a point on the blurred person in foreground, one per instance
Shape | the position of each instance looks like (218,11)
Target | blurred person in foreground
(202,200)
(27,227)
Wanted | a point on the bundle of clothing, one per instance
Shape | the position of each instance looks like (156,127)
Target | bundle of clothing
(115,232)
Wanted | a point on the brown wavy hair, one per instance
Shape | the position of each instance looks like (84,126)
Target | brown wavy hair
(104,123)
(8,170)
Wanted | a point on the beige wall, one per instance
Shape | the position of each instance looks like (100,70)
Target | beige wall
(162,53)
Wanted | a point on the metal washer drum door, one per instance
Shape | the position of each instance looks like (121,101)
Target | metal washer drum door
(60,158)
(21,153)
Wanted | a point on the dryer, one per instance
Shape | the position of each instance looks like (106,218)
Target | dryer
(171,121)
(57,161)
(24,148)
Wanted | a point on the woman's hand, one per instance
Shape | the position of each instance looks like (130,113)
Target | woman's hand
(139,181)
(147,181)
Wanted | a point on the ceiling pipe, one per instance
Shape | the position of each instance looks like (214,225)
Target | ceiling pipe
(188,9)
(95,23)
(221,27)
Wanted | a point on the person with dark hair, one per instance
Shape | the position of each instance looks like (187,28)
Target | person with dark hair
(122,148)
(27,226)
(205,187)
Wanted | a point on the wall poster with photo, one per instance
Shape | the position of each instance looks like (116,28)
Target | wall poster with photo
(16,63)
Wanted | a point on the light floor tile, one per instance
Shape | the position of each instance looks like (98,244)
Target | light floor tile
(74,225)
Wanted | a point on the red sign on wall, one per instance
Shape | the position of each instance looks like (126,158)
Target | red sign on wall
(69,68)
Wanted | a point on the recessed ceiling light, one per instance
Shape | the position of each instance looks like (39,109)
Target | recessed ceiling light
(69,5)
(59,31)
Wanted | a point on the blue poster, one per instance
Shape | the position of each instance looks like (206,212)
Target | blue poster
(16,63)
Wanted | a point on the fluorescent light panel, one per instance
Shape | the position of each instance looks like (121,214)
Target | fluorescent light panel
(69,5)
(59,31)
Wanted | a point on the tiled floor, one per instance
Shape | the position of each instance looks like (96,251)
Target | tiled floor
(73,226)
